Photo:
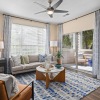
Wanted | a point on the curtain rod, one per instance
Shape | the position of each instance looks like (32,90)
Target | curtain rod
(24,18)
(82,16)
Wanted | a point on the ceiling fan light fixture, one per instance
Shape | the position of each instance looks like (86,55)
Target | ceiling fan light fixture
(50,11)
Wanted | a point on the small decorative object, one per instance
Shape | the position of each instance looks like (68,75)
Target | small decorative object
(58,65)
(47,65)
(59,56)
(51,66)
(42,66)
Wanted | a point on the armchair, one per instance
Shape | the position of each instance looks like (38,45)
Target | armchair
(25,92)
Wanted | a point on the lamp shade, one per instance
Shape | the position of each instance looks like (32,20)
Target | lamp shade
(1,45)
(53,43)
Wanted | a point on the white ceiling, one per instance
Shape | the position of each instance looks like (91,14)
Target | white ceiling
(26,9)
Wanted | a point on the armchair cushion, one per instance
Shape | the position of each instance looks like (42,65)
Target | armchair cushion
(25,92)
(10,84)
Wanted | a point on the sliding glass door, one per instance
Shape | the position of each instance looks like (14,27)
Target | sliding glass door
(77,50)
(68,50)
(85,41)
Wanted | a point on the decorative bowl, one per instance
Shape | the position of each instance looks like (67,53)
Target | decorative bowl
(58,66)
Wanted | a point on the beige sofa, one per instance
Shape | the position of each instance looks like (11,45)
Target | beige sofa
(31,66)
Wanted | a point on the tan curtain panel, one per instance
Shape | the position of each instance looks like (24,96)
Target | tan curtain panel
(28,22)
(80,24)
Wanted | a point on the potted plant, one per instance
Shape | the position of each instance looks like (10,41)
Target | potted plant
(59,56)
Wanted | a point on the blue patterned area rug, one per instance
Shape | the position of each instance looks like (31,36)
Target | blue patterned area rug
(77,85)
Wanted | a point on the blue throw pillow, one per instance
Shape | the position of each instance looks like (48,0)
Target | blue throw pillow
(42,58)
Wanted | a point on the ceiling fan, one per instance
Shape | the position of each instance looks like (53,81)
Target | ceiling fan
(51,9)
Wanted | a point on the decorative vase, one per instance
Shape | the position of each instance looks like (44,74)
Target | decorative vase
(58,66)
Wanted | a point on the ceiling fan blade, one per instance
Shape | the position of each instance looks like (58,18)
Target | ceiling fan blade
(41,12)
(57,4)
(41,5)
(51,16)
(65,15)
(60,11)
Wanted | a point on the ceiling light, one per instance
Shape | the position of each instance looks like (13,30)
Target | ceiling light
(50,11)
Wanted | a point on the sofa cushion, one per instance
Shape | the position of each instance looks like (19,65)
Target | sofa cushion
(16,60)
(33,58)
(17,68)
(31,65)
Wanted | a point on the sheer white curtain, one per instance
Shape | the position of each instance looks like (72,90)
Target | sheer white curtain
(47,39)
(7,40)
(60,32)
(96,46)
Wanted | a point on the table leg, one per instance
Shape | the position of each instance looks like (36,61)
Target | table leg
(60,77)
(40,76)
(47,80)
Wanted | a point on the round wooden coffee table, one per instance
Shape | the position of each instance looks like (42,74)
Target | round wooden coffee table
(54,74)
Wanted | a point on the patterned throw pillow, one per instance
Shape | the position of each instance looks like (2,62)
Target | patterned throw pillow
(16,60)
(42,58)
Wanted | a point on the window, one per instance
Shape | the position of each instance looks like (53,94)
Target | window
(68,41)
(26,40)
(86,39)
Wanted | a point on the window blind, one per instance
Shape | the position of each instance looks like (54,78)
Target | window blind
(27,40)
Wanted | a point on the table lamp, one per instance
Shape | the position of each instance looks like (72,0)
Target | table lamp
(1,47)
(53,44)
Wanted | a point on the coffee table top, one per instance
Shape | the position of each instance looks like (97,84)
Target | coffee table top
(52,70)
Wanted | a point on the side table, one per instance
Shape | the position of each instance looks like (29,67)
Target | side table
(3,64)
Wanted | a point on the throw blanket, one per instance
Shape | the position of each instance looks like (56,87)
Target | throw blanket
(11,84)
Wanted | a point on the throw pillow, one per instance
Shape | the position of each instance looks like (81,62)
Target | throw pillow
(16,60)
(24,59)
(42,58)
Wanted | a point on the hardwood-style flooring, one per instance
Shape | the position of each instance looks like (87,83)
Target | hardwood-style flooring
(95,95)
